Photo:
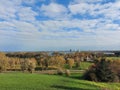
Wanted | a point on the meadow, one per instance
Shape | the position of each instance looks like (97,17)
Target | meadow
(113,58)
(27,81)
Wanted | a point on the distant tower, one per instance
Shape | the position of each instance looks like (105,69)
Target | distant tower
(70,50)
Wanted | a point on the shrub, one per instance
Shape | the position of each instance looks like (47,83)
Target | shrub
(60,71)
(67,72)
(90,75)
(51,73)
(116,79)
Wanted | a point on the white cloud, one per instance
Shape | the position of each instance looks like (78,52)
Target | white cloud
(54,10)
(109,10)
(24,26)
(13,9)
(78,8)
(7,9)
(60,28)
(27,14)
(86,1)
(19,26)
(30,2)
(108,40)
(28,32)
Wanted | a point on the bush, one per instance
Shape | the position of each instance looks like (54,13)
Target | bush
(67,72)
(116,79)
(60,71)
(51,73)
(90,75)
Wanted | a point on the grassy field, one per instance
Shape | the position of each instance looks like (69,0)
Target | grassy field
(85,65)
(24,81)
(113,58)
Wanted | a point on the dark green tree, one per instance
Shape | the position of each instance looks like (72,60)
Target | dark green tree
(101,71)
(104,72)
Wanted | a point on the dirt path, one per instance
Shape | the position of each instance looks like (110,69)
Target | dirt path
(47,71)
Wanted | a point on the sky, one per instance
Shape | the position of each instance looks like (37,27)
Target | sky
(44,25)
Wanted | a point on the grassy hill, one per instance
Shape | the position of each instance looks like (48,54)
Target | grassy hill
(24,81)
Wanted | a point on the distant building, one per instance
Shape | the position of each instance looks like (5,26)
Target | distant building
(109,54)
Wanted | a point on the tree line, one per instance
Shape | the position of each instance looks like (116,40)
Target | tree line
(28,61)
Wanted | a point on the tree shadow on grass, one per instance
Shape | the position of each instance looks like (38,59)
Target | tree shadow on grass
(83,85)
(69,88)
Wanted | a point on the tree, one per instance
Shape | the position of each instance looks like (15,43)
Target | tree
(70,62)
(77,64)
(77,59)
(60,61)
(115,67)
(31,67)
(28,65)
(104,72)
(47,62)
(24,64)
(101,72)
(3,62)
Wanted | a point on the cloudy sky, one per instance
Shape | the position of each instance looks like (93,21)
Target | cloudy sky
(34,25)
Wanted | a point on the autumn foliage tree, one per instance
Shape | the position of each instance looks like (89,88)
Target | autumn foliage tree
(24,64)
(70,62)
(3,62)
(28,65)
(32,65)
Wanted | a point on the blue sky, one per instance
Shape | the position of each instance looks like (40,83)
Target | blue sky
(35,25)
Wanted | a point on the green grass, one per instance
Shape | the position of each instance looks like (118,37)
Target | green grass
(85,65)
(113,58)
(23,81)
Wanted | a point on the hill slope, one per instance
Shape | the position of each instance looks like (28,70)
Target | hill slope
(21,81)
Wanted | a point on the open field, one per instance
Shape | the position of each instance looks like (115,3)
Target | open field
(113,58)
(85,65)
(25,81)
